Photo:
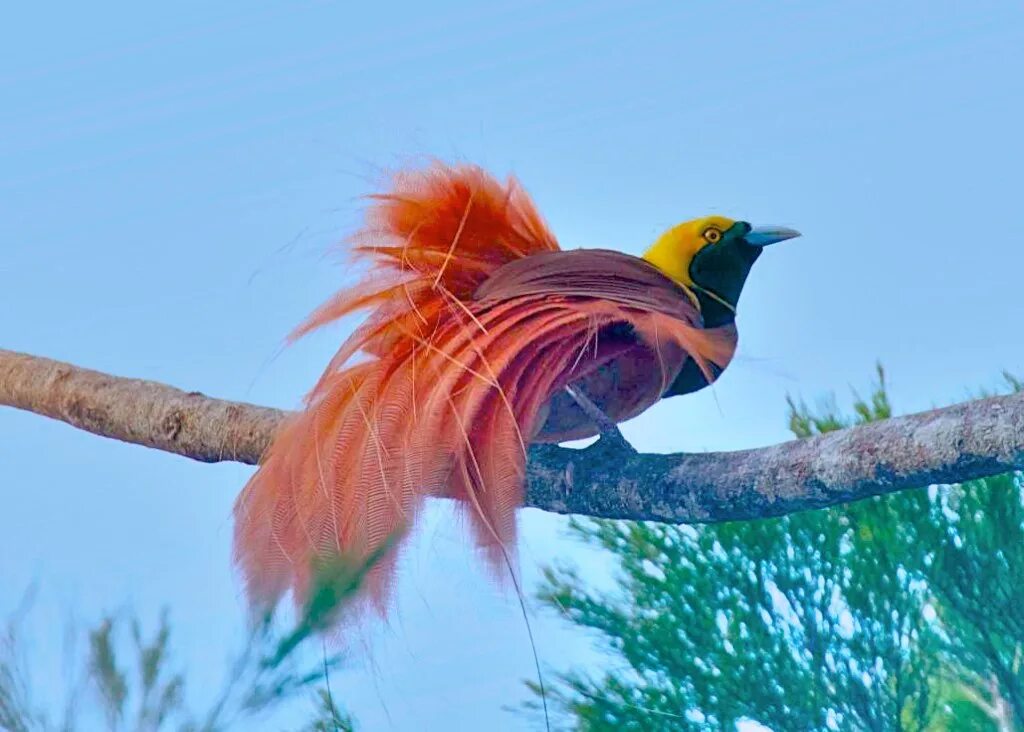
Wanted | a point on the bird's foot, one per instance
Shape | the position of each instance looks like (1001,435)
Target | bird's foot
(609,432)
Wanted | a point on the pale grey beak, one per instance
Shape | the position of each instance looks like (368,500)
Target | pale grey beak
(762,236)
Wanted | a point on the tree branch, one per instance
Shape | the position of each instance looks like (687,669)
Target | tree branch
(957,443)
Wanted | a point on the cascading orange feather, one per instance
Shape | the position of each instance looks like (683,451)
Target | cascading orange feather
(477,323)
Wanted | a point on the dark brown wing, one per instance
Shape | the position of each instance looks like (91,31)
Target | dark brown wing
(601,274)
(621,375)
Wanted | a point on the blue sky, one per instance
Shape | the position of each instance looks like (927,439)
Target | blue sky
(172,177)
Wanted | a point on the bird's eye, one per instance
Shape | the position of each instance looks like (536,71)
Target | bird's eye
(712,235)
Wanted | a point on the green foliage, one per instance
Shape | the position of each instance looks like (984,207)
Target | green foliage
(336,582)
(158,698)
(133,682)
(16,712)
(900,612)
(329,718)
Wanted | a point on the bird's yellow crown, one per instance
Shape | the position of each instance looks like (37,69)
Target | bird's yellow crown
(674,250)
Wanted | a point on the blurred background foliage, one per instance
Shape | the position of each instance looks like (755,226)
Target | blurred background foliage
(126,680)
(901,612)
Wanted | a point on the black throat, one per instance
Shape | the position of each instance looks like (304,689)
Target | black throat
(691,378)
(713,312)
(718,272)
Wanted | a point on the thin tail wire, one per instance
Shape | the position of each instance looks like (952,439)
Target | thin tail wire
(511,570)
(459,309)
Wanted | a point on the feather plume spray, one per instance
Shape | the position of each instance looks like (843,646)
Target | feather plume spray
(477,321)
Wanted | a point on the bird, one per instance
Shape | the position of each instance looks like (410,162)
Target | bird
(480,337)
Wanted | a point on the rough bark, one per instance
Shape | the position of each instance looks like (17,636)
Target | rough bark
(957,443)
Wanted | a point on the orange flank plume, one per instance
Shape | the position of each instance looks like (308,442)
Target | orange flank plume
(476,323)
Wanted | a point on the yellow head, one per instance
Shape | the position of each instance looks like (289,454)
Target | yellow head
(711,257)
(677,247)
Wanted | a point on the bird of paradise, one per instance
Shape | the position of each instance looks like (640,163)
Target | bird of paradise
(482,336)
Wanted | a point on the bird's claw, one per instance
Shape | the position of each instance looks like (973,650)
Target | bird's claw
(609,432)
